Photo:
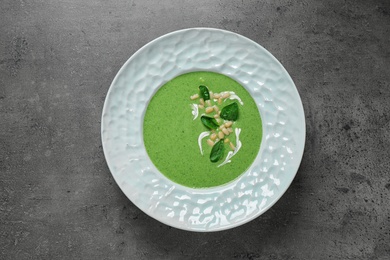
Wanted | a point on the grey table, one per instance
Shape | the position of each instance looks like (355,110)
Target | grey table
(58,199)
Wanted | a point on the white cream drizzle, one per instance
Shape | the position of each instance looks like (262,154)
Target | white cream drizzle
(195,110)
(201,136)
(234,96)
(238,146)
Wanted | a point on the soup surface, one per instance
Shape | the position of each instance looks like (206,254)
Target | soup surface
(173,138)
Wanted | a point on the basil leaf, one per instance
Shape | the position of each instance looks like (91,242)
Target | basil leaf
(209,122)
(217,151)
(230,112)
(204,92)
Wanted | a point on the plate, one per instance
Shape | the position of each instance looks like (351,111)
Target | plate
(228,53)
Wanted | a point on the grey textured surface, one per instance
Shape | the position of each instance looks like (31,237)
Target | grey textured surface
(57,197)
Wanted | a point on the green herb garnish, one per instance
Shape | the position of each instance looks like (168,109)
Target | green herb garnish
(230,112)
(217,151)
(209,122)
(204,92)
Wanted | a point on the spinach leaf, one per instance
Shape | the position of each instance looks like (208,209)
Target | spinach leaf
(204,92)
(230,112)
(217,151)
(209,122)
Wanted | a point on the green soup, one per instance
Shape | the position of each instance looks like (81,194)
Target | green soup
(171,134)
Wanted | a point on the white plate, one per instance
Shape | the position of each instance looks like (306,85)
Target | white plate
(203,49)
